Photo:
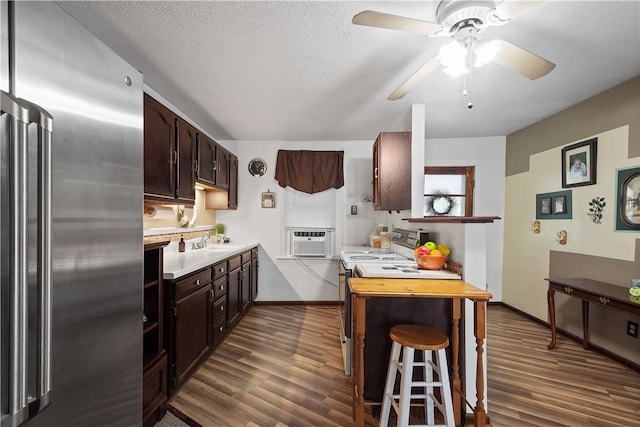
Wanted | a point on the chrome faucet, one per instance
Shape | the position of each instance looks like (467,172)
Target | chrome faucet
(203,241)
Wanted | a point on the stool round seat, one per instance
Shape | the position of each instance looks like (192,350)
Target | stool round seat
(419,337)
(432,385)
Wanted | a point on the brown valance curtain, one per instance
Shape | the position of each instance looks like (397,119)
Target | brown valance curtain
(310,171)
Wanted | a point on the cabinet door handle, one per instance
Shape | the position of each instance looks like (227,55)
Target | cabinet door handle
(211,296)
(375,173)
(197,282)
(222,308)
(215,165)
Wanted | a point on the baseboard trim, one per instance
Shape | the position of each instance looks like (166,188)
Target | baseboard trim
(596,348)
(336,303)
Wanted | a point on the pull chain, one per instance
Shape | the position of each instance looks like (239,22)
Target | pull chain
(467,75)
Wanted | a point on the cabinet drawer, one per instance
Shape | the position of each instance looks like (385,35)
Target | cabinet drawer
(192,283)
(219,310)
(220,269)
(154,391)
(218,332)
(246,257)
(235,262)
(220,287)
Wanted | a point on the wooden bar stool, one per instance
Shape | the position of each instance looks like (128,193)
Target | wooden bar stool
(407,339)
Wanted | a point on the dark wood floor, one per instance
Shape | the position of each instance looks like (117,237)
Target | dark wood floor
(281,366)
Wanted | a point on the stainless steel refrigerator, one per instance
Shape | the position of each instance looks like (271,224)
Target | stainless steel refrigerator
(71,254)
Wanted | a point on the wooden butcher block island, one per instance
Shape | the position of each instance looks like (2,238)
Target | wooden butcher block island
(447,294)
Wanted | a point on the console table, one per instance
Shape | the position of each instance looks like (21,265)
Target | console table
(588,290)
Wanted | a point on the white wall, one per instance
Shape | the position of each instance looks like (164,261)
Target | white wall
(294,280)
(527,261)
(283,279)
(487,154)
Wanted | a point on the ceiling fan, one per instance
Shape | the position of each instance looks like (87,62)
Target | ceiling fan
(463,20)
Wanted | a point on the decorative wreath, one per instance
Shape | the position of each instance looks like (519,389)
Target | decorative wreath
(440,204)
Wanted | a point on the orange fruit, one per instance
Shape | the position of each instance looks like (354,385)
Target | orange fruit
(436,252)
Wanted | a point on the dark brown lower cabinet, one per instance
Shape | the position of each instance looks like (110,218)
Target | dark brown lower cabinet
(245,281)
(190,332)
(254,274)
(219,311)
(154,356)
(202,307)
(233,297)
(154,392)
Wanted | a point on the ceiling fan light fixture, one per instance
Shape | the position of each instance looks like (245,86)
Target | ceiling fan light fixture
(485,51)
(453,57)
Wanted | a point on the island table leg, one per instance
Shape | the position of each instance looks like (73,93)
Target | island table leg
(480,331)
(455,360)
(359,313)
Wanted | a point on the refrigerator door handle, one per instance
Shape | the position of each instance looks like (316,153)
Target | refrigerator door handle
(44,121)
(17,391)
(22,114)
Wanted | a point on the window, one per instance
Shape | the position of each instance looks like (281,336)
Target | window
(448,190)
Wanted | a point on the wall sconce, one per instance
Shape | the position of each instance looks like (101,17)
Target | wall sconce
(562,237)
(535,227)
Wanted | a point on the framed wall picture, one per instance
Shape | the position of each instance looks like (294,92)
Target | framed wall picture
(559,205)
(545,206)
(579,163)
(556,205)
(628,199)
(268,199)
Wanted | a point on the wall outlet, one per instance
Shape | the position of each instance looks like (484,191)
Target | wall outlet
(632,329)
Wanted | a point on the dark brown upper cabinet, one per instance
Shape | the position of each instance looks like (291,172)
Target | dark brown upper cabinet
(159,150)
(187,166)
(233,182)
(222,167)
(169,155)
(213,163)
(392,171)
(206,160)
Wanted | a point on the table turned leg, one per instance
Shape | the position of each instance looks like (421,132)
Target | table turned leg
(585,324)
(455,360)
(359,308)
(552,316)
(480,331)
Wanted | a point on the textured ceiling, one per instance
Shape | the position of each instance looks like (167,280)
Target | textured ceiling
(300,70)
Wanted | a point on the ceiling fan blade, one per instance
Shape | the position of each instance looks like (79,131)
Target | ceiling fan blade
(509,9)
(371,18)
(415,79)
(522,61)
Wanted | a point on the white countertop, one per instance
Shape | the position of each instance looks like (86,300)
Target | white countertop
(177,264)
(402,271)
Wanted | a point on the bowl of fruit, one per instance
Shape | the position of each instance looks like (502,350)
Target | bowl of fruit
(431,256)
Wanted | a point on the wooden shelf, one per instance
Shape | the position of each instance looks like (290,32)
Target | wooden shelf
(454,219)
(149,359)
(149,326)
(151,283)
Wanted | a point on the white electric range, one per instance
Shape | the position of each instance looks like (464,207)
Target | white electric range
(365,261)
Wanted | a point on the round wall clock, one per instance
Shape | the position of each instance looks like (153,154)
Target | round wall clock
(257,167)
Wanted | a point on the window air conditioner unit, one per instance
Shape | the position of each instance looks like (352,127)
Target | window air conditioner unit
(309,243)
